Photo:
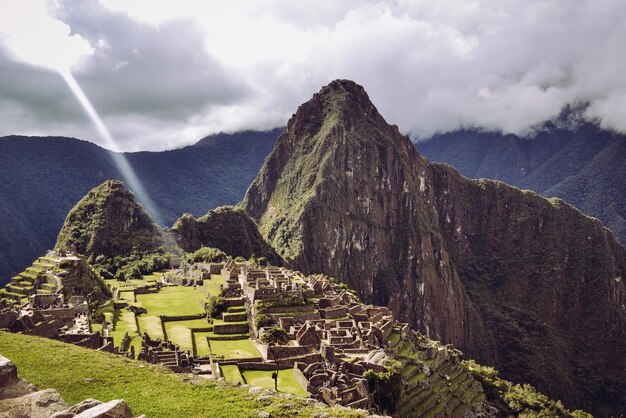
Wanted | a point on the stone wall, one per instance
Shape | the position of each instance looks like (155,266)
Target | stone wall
(230,328)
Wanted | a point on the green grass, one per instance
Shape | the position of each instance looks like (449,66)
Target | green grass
(127,295)
(191,323)
(79,373)
(202,345)
(173,301)
(124,322)
(151,325)
(287,382)
(231,373)
(213,286)
(234,349)
(179,334)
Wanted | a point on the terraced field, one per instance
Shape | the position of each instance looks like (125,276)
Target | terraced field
(287,382)
(234,349)
(24,284)
(435,382)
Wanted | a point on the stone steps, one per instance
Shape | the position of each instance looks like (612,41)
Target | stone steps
(409,401)
(436,410)
(11,288)
(415,379)
(409,370)
(10,295)
(445,368)
(49,287)
(426,403)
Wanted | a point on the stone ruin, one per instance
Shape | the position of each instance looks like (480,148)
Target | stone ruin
(166,354)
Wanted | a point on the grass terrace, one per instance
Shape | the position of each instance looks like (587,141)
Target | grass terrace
(152,325)
(234,349)
(173,301)
(231,373)
(287,382)
(212,286)
(179,332)
(202,344)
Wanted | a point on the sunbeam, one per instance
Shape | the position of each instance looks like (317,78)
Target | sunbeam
(127,172)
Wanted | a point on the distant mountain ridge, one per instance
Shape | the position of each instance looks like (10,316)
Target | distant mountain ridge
(44,177)
(584,165)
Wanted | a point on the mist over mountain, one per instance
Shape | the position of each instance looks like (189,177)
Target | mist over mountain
(581,164)
(43,178)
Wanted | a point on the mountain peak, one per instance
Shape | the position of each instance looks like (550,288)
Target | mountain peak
(344,87)
(345,194)
(109,221)
(341,105)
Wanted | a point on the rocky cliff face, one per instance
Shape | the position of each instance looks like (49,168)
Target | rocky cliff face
(227,228)
(520,282)
(346,194)
(108,221)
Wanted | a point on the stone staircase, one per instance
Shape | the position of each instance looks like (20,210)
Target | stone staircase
(167,359)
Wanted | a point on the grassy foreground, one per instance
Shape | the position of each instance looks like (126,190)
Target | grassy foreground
(79,373)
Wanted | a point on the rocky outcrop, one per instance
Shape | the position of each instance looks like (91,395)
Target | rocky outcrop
(108,221)
(228,228)
(520,282)
(19,399)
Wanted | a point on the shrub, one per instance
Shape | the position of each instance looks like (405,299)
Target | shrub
(206,255)
(215,306)
(386,387)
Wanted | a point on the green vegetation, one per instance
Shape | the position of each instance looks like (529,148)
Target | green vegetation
(201,343)
(287,382)
(108,221)
(206,255)
(179,334)
(215,285)
(386,387)
(228,228)
(517,400)
(79,373)
(234,349)
(215,305)
(231,373)
(134,266)
(151,325)
(173,301)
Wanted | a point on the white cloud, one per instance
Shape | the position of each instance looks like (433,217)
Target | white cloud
(33,37)
(166,73)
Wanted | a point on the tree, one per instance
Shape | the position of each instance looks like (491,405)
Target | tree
(274,337)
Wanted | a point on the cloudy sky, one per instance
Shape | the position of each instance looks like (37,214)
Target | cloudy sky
(163,74)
